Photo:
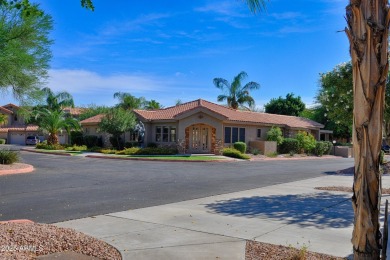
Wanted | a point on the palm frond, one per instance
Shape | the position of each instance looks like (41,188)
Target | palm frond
(221,83)
(256,5)
(251,86)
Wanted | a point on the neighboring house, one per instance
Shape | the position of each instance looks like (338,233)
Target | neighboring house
(15,130)
(201,126)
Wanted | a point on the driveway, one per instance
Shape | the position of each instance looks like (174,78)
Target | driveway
(65,188)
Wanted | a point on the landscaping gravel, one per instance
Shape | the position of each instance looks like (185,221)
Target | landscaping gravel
(25,241)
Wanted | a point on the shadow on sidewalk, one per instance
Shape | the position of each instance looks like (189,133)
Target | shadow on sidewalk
(321,210)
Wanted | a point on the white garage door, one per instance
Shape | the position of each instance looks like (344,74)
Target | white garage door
(61,139)
(17,138)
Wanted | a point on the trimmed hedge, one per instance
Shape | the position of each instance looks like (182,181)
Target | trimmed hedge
(234,153)
(92,140)
(240,146)
(76,148)
(8,157)
(76,138)
(2,141)
(46,146)
(131,144)
(322,147)
(289,145)
(157,151)
(128,151)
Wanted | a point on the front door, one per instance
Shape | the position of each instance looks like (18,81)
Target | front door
(200,139)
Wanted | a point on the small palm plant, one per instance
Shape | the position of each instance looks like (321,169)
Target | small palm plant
(53,122)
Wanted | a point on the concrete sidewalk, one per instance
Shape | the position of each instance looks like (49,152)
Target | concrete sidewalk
(291,214)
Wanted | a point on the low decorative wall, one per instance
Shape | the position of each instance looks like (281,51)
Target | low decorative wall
(266,147)
(343,151)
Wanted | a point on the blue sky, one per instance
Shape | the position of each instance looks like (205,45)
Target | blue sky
(172,49)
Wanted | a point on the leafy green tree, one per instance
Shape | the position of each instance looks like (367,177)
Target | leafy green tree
(129,102)
(291,106)
(235,94)
(27,8)
(53,122)
(152,105)
(24,49)
(335,94)
(116,122)
(275,134)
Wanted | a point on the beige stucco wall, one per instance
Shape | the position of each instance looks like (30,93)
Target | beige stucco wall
(250,131)
(200,118)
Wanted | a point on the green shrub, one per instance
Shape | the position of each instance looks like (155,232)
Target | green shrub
(157,151)
(255,151)
(272,155)
(95,149)
(76,148)
(275,134)
(108,151)
(241,146)
(234,153)
(92,140)
(46,146)
(322,148)
(306,141)
(2,141)
(289,145)
(152,145)
(131,144)
(76,137)
(329,147)
(8,157)
(128,151)
(117,143)
(382,158)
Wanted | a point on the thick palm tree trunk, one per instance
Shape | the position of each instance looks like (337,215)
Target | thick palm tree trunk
(368,23)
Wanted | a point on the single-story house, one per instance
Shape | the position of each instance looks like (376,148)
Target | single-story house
(15,130)
(201,126)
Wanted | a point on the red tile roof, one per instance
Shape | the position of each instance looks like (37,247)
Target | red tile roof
(7,111)
(94,119)
(171,113)
(74,111)
(6,129)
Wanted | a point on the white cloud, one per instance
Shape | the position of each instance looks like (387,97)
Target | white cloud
(226,8)
(83,81)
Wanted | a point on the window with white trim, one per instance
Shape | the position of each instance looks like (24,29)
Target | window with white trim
(165,134)
(234,134)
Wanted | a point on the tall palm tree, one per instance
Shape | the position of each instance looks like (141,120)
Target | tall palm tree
(368,29)
(152,105)
(128,101)
(235,94)
(53,122)
(57,101)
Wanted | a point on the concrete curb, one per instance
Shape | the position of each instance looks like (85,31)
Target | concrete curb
(22,221)
(25,168)
(149,159)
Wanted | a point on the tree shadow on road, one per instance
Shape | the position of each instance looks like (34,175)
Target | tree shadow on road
(321,210)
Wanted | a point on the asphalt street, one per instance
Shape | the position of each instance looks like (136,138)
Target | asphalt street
(64,188)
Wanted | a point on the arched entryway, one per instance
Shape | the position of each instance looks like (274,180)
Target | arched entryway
(199,138)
